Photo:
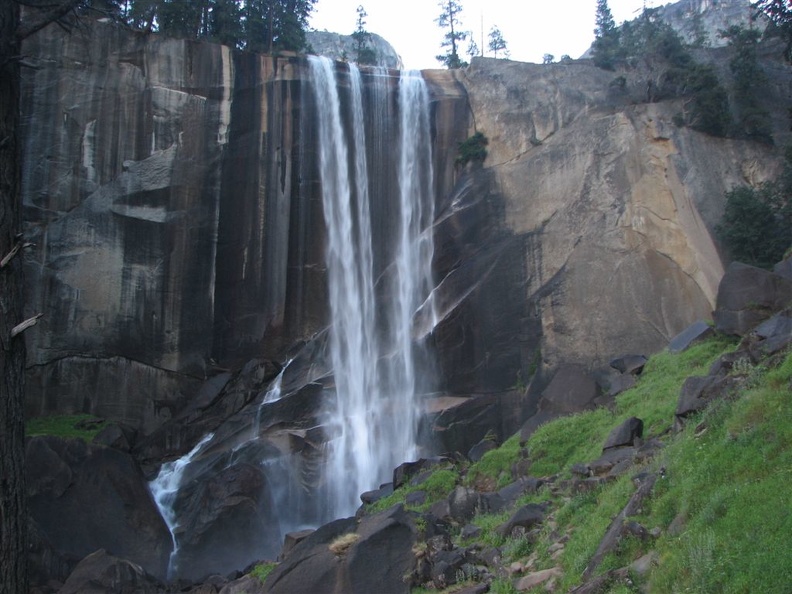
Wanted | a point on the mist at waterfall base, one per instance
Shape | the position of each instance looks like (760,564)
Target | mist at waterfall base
(371,138)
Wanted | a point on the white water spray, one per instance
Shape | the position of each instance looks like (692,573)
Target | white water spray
(164,489)
(373,425)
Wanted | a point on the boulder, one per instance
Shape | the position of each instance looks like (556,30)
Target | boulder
(376,560)
(311,566)
(625,434)
(747,296)
(689,336)
(513,491)
(724,364)
(102,573)
(691,395)
(469,531)
(84,497)
(115,435)
(697,393)
(407,470)
(446,567)
(571,390)
(533,423)
(375,495)
(292,539)
(621,383)
(632,364)
(773,336)
(477,452)
(611,458)
(532,580)
(464,502)
(226,522)
(527,517)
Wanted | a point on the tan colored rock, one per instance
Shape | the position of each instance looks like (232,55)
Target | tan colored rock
(532,580)
(621,200)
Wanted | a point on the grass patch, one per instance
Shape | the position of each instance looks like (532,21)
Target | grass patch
(731,485)
(437,486)
(262,571)
(83,427)
(495,466)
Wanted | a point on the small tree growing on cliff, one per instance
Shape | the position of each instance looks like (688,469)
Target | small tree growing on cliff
(757,222)
(364,54)
(749,80)
(605,49)
(450,21)
(496,41)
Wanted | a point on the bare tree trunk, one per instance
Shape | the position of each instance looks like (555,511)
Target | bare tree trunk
(13,512)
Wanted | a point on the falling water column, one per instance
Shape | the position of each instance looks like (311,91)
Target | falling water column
(348,257)
(372,425)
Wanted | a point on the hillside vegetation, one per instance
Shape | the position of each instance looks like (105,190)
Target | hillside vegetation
(717,520)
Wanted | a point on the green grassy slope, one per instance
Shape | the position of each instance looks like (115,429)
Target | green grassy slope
(721,510)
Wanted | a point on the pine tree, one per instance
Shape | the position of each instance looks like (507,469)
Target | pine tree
(749,80)
(449,19)
(496,41)
(364,54)
(606,38)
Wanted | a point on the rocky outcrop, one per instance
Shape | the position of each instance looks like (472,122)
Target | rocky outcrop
(344,556)
(342,47)
(614,204)
(171,191)
(178,227)
(84,497)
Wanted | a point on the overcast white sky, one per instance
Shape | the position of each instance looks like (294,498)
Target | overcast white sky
(531,28)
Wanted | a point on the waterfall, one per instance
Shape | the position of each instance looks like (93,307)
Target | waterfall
(374,166)
(372,424)
(164,489)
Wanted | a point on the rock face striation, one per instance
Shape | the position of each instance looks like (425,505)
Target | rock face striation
(172,196)
(171,189)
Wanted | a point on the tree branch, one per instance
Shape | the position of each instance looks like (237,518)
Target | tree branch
(10,255)
(27,29)
(21,327)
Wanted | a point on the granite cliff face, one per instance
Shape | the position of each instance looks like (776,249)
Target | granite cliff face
(342,47)
(171,191)
(612,206)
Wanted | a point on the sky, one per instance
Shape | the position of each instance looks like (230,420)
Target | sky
(531,28)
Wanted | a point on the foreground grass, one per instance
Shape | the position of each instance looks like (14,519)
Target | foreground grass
(722,505)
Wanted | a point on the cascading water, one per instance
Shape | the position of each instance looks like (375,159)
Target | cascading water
(375,170)
(164,489)
(372,426)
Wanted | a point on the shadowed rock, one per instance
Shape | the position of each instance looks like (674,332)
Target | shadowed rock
(632,364)
(102,573)
(376,560)
(528,516)
(571,390)
(85,497)
(625,434)
(689,336)
(747,296)
(225,522)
